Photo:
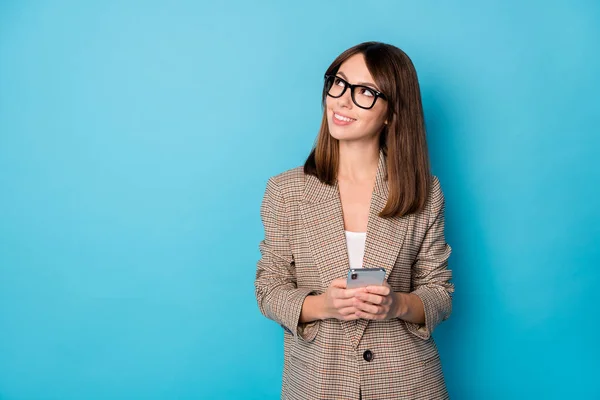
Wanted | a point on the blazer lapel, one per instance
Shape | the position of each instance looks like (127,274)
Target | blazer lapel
(323,220)
(385,236)
(324,224)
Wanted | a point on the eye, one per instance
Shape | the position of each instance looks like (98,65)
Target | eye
(366,92)
(338,81)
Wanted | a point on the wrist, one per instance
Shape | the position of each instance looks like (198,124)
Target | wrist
(402,308)
(313,308)
(321,309)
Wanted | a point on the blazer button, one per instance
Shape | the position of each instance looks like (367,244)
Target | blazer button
(368,355)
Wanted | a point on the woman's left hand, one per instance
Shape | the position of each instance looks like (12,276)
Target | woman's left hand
(377,302)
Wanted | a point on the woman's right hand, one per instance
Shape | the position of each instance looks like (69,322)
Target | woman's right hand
(338,301)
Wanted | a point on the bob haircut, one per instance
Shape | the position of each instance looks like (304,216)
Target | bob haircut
(403,139)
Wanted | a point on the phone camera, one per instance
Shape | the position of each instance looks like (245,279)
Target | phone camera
(353,276)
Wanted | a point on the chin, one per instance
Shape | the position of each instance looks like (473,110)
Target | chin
(336,134)
(343,132)
(339,134)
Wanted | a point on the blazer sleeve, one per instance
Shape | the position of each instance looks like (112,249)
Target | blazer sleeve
(276,289)
(430,274)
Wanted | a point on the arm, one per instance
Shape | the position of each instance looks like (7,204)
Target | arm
(432,289)
(276,289)
(337,302)
(313,308)
(411,308)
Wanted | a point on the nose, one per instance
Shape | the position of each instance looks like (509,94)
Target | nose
(345,100)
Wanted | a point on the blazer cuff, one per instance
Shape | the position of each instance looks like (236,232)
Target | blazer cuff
(304,331)
(434,303)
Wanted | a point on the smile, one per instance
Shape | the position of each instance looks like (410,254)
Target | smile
(342,118)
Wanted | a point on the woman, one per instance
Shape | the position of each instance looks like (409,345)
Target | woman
(364,198)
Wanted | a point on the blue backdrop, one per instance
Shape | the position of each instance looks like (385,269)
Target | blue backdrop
(136,139)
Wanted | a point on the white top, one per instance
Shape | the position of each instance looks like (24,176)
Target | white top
(356,248)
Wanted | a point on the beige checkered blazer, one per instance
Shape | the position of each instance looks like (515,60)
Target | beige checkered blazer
(304,249)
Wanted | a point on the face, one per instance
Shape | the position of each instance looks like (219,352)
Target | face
(345,119)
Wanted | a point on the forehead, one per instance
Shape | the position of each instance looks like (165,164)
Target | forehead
(355,69)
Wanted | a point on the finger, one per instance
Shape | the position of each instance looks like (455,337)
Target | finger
(366,315)
(380,290)
(348,293)
(366,307)
(348,314)
(342,303)
(370,298)
(339,283)
(347,311)
(351,317)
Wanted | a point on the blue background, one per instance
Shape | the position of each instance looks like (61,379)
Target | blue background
(136,139)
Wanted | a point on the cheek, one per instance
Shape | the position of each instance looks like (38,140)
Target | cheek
(329,103)
(373,120)
(378,117)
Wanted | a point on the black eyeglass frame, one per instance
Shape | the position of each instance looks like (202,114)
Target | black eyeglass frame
(352,87)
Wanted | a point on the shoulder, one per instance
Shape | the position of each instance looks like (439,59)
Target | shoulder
(435,199)
(288,184)
(436,186)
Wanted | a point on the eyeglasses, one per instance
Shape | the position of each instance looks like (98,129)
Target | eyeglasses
(363,96)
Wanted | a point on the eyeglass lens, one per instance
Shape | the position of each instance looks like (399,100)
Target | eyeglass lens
(363,96)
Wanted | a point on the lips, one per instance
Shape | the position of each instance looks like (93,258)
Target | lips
(342,118)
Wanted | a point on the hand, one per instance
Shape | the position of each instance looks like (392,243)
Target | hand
(377,302)
(338,301)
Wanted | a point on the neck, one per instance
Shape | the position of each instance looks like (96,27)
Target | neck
(358,161)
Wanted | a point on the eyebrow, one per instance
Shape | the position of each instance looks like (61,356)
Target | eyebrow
(360,83)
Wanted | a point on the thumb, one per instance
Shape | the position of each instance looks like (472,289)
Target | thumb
(339,283)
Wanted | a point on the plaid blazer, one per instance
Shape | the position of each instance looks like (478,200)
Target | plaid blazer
(304,249)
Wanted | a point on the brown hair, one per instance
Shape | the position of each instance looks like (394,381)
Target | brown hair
(402,140)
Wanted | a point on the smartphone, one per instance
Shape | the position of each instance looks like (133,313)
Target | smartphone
(361,277)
